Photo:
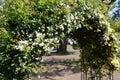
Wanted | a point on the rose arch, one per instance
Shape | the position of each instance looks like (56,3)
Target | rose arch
(29,27)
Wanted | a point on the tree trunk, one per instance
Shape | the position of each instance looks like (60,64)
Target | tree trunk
(63,46)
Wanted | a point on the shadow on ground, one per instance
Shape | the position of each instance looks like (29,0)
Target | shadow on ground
(59,66)
(62,68)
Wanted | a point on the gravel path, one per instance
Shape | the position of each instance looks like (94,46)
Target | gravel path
(63,71)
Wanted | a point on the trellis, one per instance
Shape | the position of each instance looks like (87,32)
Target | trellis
(93,74)
(98,53)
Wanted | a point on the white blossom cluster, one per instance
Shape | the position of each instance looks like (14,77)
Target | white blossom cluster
(23,46)
(40,41)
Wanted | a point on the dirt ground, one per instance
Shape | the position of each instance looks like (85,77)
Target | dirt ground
(63,71)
